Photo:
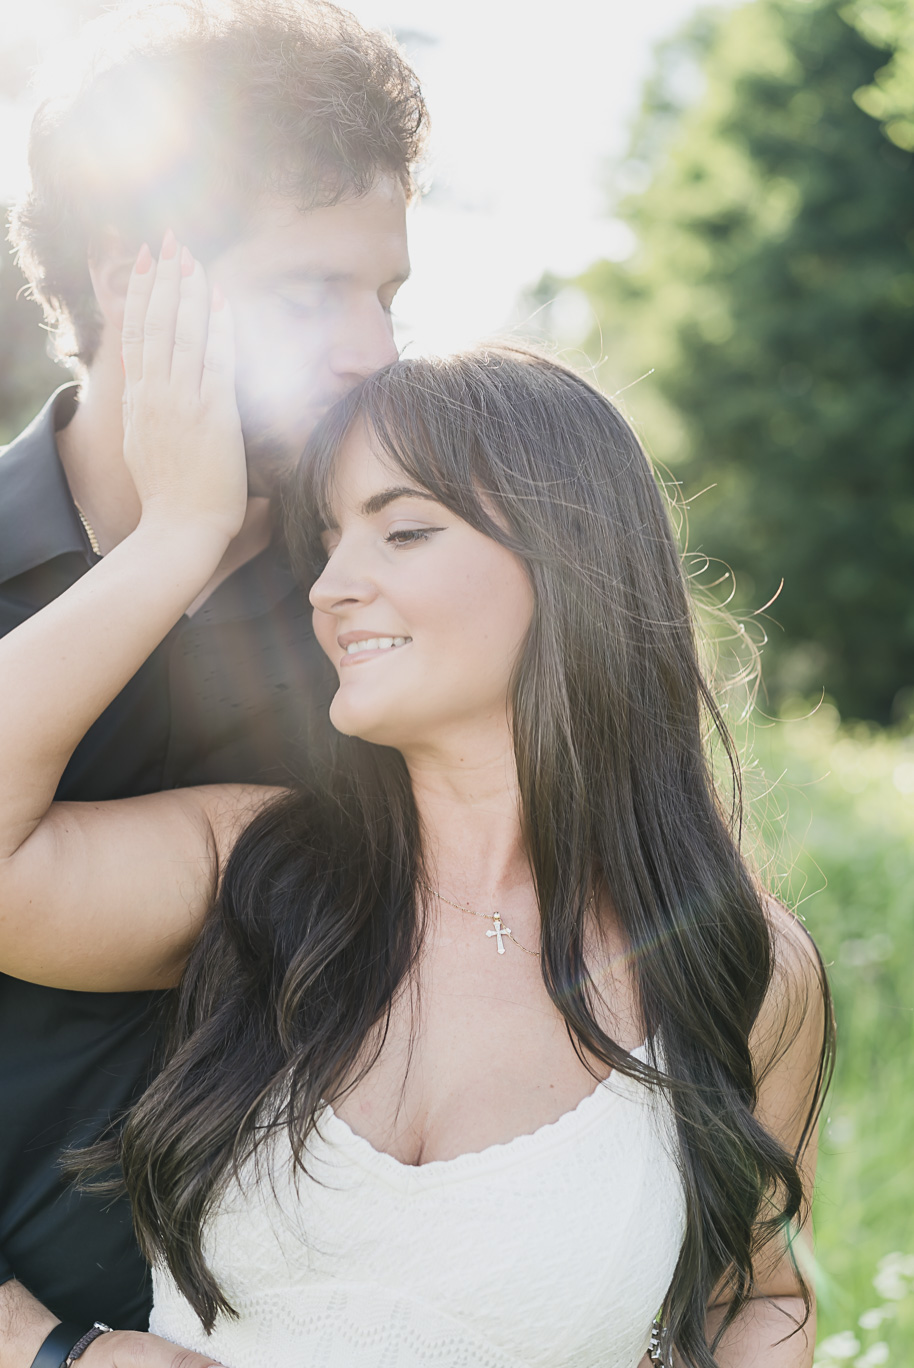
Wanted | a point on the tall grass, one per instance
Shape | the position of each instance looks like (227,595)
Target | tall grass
(833,813)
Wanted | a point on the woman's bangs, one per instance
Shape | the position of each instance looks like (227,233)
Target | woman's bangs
(418,420)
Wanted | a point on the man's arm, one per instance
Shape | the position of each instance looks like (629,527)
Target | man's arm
(25,1324)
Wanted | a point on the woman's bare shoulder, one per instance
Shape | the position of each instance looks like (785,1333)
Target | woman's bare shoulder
(789,1037)
(798,968)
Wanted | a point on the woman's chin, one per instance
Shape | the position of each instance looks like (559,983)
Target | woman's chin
(366,724)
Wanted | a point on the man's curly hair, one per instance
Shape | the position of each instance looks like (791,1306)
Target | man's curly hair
(186,114)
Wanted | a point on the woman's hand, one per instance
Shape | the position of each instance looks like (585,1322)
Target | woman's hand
(182,434)
(135,1349)
(24,1324)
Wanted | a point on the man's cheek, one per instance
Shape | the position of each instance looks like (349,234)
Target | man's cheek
(278,339)
(267,383)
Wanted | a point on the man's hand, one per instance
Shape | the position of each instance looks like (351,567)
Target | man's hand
(25,1324)
(133,1349)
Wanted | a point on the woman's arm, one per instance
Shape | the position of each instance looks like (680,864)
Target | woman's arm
(110,895)
(787,1047)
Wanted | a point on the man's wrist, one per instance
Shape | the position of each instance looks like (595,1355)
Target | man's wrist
(66,1343)
(24,1325)
(54,1350)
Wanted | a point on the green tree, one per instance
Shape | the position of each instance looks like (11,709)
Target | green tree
(772,293)
(889,24)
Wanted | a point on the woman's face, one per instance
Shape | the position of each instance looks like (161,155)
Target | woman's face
(423,616)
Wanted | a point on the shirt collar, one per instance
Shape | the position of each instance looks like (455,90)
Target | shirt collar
(38,519)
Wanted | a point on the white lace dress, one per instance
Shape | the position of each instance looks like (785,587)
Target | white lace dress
(551,1251)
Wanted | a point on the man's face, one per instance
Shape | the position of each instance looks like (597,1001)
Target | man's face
(310,296)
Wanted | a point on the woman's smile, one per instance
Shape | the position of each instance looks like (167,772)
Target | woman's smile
(364,646)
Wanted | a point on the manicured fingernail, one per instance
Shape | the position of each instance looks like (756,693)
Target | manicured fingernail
(169,245)
(144,260)
(123,364)
(218,299)
(187,262)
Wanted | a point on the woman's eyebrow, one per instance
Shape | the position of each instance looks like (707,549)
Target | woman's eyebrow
(387,496)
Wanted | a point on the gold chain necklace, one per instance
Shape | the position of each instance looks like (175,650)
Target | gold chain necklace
(88,529)
(499,931)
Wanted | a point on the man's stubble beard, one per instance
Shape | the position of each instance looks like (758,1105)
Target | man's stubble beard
(270,454)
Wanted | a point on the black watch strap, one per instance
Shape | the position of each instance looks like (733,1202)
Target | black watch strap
(55,1350)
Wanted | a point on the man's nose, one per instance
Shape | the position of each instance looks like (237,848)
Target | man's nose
(364,343)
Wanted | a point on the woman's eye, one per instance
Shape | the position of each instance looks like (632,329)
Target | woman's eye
(408,535)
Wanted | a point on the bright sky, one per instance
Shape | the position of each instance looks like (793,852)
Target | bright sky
(528,105)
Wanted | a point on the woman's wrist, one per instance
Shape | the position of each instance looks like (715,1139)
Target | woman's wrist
(184,540)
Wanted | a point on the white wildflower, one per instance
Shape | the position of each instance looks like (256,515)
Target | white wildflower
(891,1284)
(872,1319)
(843,1346)
(902,1264)
(876,1354)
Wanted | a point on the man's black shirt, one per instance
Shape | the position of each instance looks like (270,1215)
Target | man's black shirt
(227,696)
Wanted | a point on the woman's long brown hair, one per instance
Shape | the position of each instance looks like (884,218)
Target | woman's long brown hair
(319,924)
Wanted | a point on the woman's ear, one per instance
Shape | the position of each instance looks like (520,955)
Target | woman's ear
(110,264)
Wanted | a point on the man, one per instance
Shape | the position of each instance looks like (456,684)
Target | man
(277,140)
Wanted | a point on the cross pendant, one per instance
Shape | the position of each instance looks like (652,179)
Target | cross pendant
(499,932)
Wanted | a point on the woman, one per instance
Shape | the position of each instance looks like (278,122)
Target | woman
(487,1043)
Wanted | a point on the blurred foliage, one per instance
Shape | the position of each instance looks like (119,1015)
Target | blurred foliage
(27,374)
(834,812)
(772,295)
(889,24)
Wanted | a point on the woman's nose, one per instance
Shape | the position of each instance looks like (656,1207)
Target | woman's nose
(340,584)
